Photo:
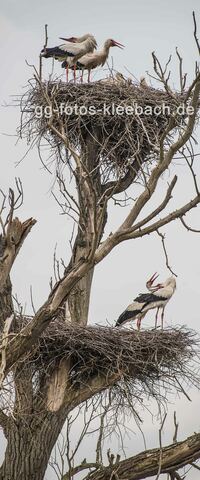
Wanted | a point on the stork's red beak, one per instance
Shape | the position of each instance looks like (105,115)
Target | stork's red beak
(117,44)
(153,278)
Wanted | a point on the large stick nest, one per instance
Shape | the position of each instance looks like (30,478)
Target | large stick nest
(122,139)
(142,361)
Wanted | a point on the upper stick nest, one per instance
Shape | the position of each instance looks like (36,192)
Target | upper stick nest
(122,137)
(143,361)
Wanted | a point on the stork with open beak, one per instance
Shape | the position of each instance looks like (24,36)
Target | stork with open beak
(150,283)
(158,298)
(71,50)
(95,59)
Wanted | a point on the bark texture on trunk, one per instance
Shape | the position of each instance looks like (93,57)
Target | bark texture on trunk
(33,431)
(6,304)
(79,298)
(29,446)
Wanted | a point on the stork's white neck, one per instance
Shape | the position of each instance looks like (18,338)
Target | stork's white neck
(104,52)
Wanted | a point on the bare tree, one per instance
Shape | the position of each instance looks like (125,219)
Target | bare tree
(53,362)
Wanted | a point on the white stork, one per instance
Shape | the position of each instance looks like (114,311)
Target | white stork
(95,59)
(158,298)
(71,50)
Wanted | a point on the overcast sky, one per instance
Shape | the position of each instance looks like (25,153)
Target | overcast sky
(143,27)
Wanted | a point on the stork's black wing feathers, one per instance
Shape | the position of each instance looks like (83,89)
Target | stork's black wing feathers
(126,315)
(56,52)
(79,65)
(144,298)
(148,298)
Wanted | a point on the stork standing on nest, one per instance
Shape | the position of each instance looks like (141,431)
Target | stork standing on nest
(158,298)
(95,59)
(71,50)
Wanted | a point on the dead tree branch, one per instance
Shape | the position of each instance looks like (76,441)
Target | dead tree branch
(144,465)
(162,236)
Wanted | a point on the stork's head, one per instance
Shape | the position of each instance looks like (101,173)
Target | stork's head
(112,43)
(170,282)
(150,283)
(87,36)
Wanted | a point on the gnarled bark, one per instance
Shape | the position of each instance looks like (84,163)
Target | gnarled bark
(29,445)
(79,297)
(6,303)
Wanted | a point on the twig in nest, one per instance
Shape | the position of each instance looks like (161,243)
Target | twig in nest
(45,46)
(32,302)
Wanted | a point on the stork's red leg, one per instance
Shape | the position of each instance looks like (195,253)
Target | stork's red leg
(156,321)
(138,323)
(162,318)
(67,73)
(89,71)
(75,73)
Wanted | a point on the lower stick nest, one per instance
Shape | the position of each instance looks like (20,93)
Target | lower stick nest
(142,361)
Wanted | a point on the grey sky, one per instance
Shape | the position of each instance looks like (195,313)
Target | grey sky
(142,26)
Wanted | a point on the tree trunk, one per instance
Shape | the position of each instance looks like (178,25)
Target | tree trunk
(6,304)
(29,446)
(79,299)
